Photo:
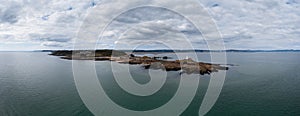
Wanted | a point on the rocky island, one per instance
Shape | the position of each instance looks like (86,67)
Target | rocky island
(188,66)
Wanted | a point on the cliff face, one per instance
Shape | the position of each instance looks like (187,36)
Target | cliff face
(188,66)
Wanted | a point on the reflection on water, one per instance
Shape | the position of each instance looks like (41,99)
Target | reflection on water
(33,83)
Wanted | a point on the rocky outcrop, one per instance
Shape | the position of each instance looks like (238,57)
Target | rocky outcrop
(188,66)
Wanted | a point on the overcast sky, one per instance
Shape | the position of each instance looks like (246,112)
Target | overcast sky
(244,24)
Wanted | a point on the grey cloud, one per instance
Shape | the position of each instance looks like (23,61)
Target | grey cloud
(152,21)
(243,23)
(236,37)
(65,19)
(52,44)
(51,38)
(56,39)
(144,14)
(150,24)
(10,14)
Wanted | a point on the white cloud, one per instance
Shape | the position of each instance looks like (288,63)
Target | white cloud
(244,24)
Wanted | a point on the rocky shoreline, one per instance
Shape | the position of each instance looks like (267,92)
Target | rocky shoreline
(188,66)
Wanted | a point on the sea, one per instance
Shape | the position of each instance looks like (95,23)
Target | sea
(256,84)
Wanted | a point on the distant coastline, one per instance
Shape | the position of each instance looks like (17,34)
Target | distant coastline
(166,50)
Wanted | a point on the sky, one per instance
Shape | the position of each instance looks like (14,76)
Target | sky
(243,24)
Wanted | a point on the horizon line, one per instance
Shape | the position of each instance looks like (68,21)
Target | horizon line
(263,50)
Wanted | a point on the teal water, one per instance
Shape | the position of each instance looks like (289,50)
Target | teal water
(263,84)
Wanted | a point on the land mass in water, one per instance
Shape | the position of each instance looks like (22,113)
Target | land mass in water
(196,50)
(188,66)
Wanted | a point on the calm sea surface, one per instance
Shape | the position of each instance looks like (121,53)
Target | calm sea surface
(262,84)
